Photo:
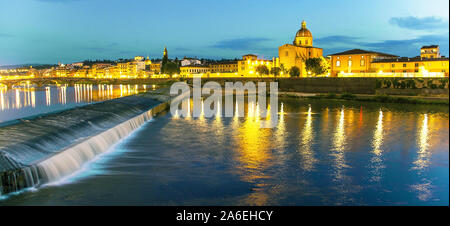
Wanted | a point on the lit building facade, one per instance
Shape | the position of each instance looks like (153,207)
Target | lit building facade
(190,61)
(224,67)
(362,63)
(430,52)
(296,54)
(247,66)
(190,70)
(355,61)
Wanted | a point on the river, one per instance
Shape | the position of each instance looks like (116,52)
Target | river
(322,152)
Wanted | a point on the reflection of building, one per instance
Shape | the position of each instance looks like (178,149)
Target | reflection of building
(362,63)
(297,53)
(355,61)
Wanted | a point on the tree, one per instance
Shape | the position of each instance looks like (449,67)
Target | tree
(275,71)
(283,69)
(317,66)
(262,70)
(294,71)
(170,68)
(165,61)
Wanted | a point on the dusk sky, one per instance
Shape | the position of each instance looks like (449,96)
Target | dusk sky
(48,31)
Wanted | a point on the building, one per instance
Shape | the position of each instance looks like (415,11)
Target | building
(224,67)
(190,70)
(190,61)
(363,63)
(430,52)
(296,54)
(155,67)
(247,66)
(412,67)
(139,58)
(355,61)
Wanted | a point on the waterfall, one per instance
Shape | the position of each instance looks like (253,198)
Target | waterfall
(16,174)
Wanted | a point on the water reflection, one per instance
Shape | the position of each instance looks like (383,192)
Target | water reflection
(307,137)
(254,155)
(423,158)
(280,133)
(377,158)
(339,146)
(43,99)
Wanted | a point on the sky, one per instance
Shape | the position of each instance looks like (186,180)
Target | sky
(51,31)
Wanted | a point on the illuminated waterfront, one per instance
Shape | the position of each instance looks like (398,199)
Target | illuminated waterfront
(321,153)
(24,101)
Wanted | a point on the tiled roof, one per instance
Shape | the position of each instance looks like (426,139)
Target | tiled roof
(360,51)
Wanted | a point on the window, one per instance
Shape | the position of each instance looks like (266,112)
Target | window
(287,53)
(338,63)
(416,70)
(362,62)
(393,65)
(404,65)
(306,42)
(416,64)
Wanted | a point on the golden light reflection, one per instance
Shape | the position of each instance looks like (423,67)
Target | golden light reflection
(280,133)
(339,146)
(254,156)
(48,98)
(307,137)
(18,102)
(423,158)
(376,160)
(2,98)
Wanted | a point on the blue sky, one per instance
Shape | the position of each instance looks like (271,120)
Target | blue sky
(48,31)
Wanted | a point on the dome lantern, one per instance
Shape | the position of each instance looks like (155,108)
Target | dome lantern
(303,36)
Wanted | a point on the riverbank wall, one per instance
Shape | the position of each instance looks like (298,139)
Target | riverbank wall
(373,86)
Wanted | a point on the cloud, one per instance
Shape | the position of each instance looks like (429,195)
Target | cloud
(416,23)
(181,49)
(338,39)
(4,35)
(242,44)
(405,47)
(410,47)
(59,1)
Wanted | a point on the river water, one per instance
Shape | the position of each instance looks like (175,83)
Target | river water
(322,152)
(25,101)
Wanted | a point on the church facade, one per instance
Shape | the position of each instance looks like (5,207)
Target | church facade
(299,51)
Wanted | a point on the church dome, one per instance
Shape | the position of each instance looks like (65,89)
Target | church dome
(303,32)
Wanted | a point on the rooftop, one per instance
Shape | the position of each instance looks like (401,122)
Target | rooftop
(360,51)
(407,59)
(429,47)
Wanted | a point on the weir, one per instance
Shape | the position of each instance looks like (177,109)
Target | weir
(49,147)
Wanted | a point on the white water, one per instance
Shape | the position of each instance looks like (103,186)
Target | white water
(72,159)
